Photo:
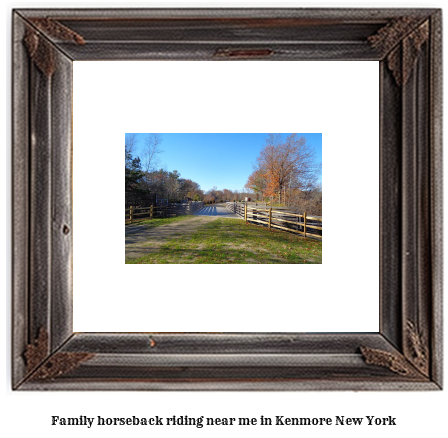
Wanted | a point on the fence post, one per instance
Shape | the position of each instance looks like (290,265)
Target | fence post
(166,211)
(151,212)
(270,217)
(245,212)
(304,223)
(130,214)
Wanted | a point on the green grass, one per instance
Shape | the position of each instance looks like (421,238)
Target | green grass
(233,241)
(151,223)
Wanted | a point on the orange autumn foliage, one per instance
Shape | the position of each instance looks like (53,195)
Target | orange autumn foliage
(281,164)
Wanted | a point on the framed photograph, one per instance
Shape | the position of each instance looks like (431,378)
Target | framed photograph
(51,353)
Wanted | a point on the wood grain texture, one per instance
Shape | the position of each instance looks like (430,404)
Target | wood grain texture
(20,197)
(61,202)
(436,195)
(406,354)
(390,209)
(40,200)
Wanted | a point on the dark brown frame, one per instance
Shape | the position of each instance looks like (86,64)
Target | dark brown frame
(406,354)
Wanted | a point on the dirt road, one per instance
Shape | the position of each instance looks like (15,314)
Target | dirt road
(141,240)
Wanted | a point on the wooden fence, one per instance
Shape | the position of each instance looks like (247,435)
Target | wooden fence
(284,219)
(133,214)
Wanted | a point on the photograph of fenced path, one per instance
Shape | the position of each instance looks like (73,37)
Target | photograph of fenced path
(275,219)
(214,234)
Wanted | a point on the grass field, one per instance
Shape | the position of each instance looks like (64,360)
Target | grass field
(233,241)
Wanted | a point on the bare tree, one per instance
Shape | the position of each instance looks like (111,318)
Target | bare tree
(283,164)
(150,151)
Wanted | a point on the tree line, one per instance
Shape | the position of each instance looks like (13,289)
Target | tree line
(144,176)
(215,195)
(286,172)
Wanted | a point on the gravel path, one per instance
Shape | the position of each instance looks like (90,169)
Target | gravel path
(141,240)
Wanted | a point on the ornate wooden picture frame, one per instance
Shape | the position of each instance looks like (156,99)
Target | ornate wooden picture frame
(406,353)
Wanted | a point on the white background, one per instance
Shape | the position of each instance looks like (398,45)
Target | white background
(418,414)
(340,295)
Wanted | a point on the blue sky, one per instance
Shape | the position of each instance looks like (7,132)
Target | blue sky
(221,160)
